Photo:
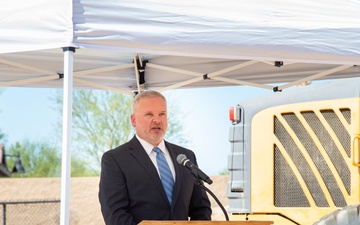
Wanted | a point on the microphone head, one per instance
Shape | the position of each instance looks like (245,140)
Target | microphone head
(181,158)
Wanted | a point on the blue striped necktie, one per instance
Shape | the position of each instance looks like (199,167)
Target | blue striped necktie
(165,173)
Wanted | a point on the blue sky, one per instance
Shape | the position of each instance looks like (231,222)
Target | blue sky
(26,113)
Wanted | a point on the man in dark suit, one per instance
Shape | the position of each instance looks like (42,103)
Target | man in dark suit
(131,188)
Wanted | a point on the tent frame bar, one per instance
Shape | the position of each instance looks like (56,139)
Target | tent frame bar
(315,76)
(138,63)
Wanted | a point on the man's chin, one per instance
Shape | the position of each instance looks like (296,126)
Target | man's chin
(157,138)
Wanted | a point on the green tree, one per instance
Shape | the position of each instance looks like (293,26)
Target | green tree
(224,172)
(39,159)
(101,121)
(175,132)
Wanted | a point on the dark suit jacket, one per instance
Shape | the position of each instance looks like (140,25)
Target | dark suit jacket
(131,189)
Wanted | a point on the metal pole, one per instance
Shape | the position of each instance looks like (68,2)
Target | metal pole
(66,141)
(4,213)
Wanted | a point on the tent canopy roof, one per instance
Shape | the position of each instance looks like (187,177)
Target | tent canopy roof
(185,44)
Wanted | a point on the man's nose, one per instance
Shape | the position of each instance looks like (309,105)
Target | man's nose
(156,119)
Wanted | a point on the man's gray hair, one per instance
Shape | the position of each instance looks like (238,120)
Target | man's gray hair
(146,94)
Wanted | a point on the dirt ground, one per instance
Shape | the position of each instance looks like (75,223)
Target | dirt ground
(84,204)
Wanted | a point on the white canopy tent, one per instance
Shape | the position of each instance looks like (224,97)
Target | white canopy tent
(232,42)
(128,46)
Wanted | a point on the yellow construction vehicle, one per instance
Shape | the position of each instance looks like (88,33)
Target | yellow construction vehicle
(294,156)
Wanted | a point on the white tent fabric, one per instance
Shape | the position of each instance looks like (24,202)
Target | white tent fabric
(259,30)
(126,46)
(182,41)
(36,25)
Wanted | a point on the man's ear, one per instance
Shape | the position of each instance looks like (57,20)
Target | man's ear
(133,120)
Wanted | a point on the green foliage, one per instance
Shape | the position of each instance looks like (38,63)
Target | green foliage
(41,159)
(100,122)
(38,158)
(79,168)
(175,132)
(224,172)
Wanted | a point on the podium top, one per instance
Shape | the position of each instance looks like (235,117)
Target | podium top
(183,222)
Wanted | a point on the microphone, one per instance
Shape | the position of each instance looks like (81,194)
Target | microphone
(183,160)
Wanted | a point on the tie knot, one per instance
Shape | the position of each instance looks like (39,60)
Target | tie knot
(157,150)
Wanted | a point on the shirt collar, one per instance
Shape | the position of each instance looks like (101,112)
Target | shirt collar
(149,147)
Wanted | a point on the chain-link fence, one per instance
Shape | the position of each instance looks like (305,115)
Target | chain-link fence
(30,212)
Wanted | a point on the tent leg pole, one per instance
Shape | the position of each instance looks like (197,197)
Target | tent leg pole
(66,136)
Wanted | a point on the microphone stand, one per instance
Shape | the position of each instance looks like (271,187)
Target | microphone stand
(201,185)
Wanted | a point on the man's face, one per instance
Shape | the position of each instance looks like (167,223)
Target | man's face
(150,119)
